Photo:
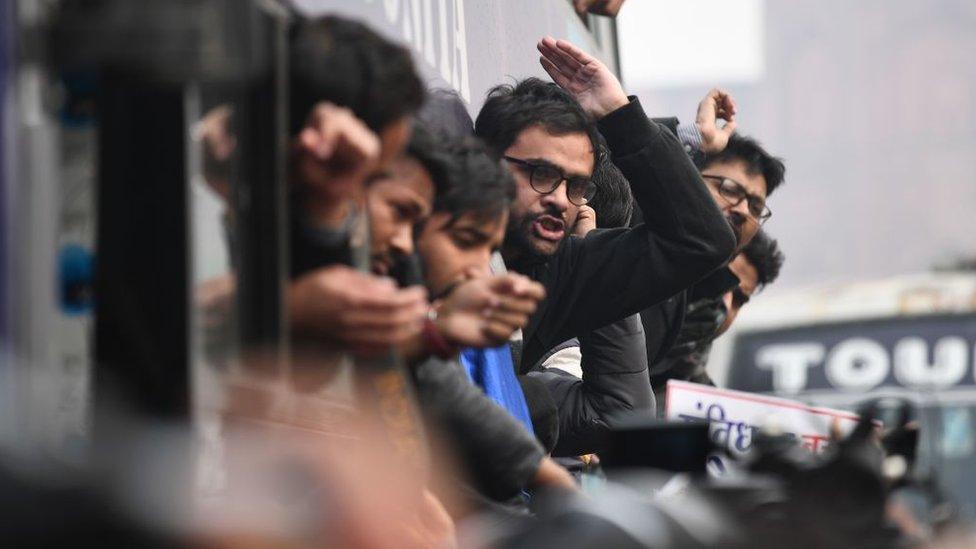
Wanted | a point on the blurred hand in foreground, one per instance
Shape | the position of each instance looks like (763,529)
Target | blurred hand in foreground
(360,312)
(610,8)
(332,157)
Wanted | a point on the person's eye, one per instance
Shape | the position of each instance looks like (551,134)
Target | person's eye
(404,213)
(465,240)
(546,174)
(739,297)
(583,187)
(731,190)
(756,207)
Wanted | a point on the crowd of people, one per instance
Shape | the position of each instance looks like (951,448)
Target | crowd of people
(434,325)
(506,290)
(537,273)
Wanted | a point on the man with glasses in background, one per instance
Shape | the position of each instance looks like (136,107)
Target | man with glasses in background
(680,330)
(741,177)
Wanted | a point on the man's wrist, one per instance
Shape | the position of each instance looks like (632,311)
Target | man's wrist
(613,105)
(627,129)
(690,137)
(434,341)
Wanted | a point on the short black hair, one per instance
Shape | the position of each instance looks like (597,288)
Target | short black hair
(444,112)
(467,177)
(613,201)
(764,255)
(510,109)
(345,62)
(757,160)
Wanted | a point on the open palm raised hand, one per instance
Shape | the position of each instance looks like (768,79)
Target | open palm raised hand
(590,81)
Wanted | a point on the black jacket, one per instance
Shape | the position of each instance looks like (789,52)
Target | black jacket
(684,327)
(664,323)
(614,273)
(614,383)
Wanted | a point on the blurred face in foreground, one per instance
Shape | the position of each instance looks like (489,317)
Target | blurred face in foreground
(396,201)
(456,250)
(540,219)
(393,140)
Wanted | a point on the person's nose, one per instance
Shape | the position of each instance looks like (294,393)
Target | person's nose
(742,209)
(557,199)
(477,270)
(402,241)
(739,215)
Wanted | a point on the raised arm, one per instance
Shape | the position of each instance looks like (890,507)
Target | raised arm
(618,272)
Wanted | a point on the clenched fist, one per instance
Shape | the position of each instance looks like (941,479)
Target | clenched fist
(332,157)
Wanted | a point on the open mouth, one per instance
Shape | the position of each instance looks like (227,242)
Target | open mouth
(548,227)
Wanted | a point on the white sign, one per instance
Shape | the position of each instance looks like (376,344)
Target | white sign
(736,416)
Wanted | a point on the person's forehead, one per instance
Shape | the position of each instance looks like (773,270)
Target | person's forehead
(394,137)
(409,176)
(571,152)
(747,273)
(496,228)
(754,183)
(492,227)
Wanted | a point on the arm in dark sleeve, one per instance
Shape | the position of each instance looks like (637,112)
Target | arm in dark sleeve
(500,455)
(679,211)
(614,364)
(614,273)
(671,123)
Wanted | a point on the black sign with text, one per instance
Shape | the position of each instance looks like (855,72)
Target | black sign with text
(931,352)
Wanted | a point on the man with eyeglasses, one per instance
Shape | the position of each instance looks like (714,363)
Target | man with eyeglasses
(678,331)
(548,135)
(740,177)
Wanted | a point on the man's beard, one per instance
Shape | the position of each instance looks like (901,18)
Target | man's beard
(519,238)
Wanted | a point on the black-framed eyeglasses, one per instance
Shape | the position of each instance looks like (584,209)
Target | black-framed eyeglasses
(545,179)
(739,297)
(733,192)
